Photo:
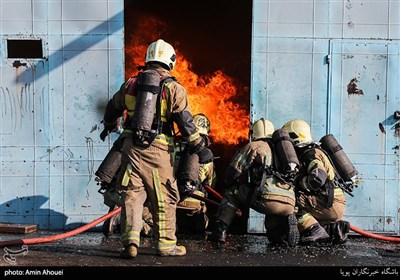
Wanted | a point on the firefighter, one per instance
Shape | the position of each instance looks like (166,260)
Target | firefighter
(192,178)
(320,201)
(155,102)
(266,192)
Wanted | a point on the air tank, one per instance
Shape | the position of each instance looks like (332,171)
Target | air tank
(146,100)
(109,166)
(342,163)
(285,152)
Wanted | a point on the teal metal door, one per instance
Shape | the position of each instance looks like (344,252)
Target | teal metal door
(363,105)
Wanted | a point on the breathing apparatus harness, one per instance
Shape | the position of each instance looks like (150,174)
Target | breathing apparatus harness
(108,169)
(327,190)
(284,174)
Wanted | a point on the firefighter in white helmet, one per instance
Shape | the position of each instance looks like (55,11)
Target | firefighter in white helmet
(155,101)
(321,203)
(266,192)
(193,178)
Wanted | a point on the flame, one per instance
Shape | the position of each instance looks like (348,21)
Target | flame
(209,94)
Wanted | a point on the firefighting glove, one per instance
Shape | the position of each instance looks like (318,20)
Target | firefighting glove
(205,155)
(104,134)
(108,127)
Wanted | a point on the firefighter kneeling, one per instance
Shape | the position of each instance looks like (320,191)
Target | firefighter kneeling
(268,191)
(191,177)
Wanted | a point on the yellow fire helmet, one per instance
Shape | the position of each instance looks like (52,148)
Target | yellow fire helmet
(161,51)
(262,128)
(299,131)
(202,123)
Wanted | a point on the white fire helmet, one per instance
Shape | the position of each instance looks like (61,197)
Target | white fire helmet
(202,123)
(299,131)
(261,129)
(161,51)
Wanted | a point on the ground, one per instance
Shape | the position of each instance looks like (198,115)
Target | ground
(91,252)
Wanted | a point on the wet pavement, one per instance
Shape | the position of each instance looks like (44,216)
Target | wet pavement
(91,252)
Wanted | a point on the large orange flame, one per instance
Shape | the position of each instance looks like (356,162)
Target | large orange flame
(209,94)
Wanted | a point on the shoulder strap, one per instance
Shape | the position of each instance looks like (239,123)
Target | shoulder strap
(157,121)
(130,86)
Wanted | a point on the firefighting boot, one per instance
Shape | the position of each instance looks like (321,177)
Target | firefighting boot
(129,252)
(219,232)
(338,231)
(176,251)
(341,232)
(293,235)
(316,233)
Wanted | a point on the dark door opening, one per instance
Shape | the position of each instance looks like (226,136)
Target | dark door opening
(213,45)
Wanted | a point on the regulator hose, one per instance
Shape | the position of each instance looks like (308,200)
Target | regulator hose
(46,239)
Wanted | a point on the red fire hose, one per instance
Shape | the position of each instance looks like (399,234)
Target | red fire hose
(373,235)
(213,192)
(217,195)
(52,238)
(238,212)
(47,239)
(353,228)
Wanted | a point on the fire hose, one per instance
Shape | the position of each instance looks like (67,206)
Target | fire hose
(373,235)
(48,239)
(238,212)
(353,228)
(217,195)
(51,238)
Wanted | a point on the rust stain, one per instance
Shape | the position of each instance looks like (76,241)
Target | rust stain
(352,87)
(389,221)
